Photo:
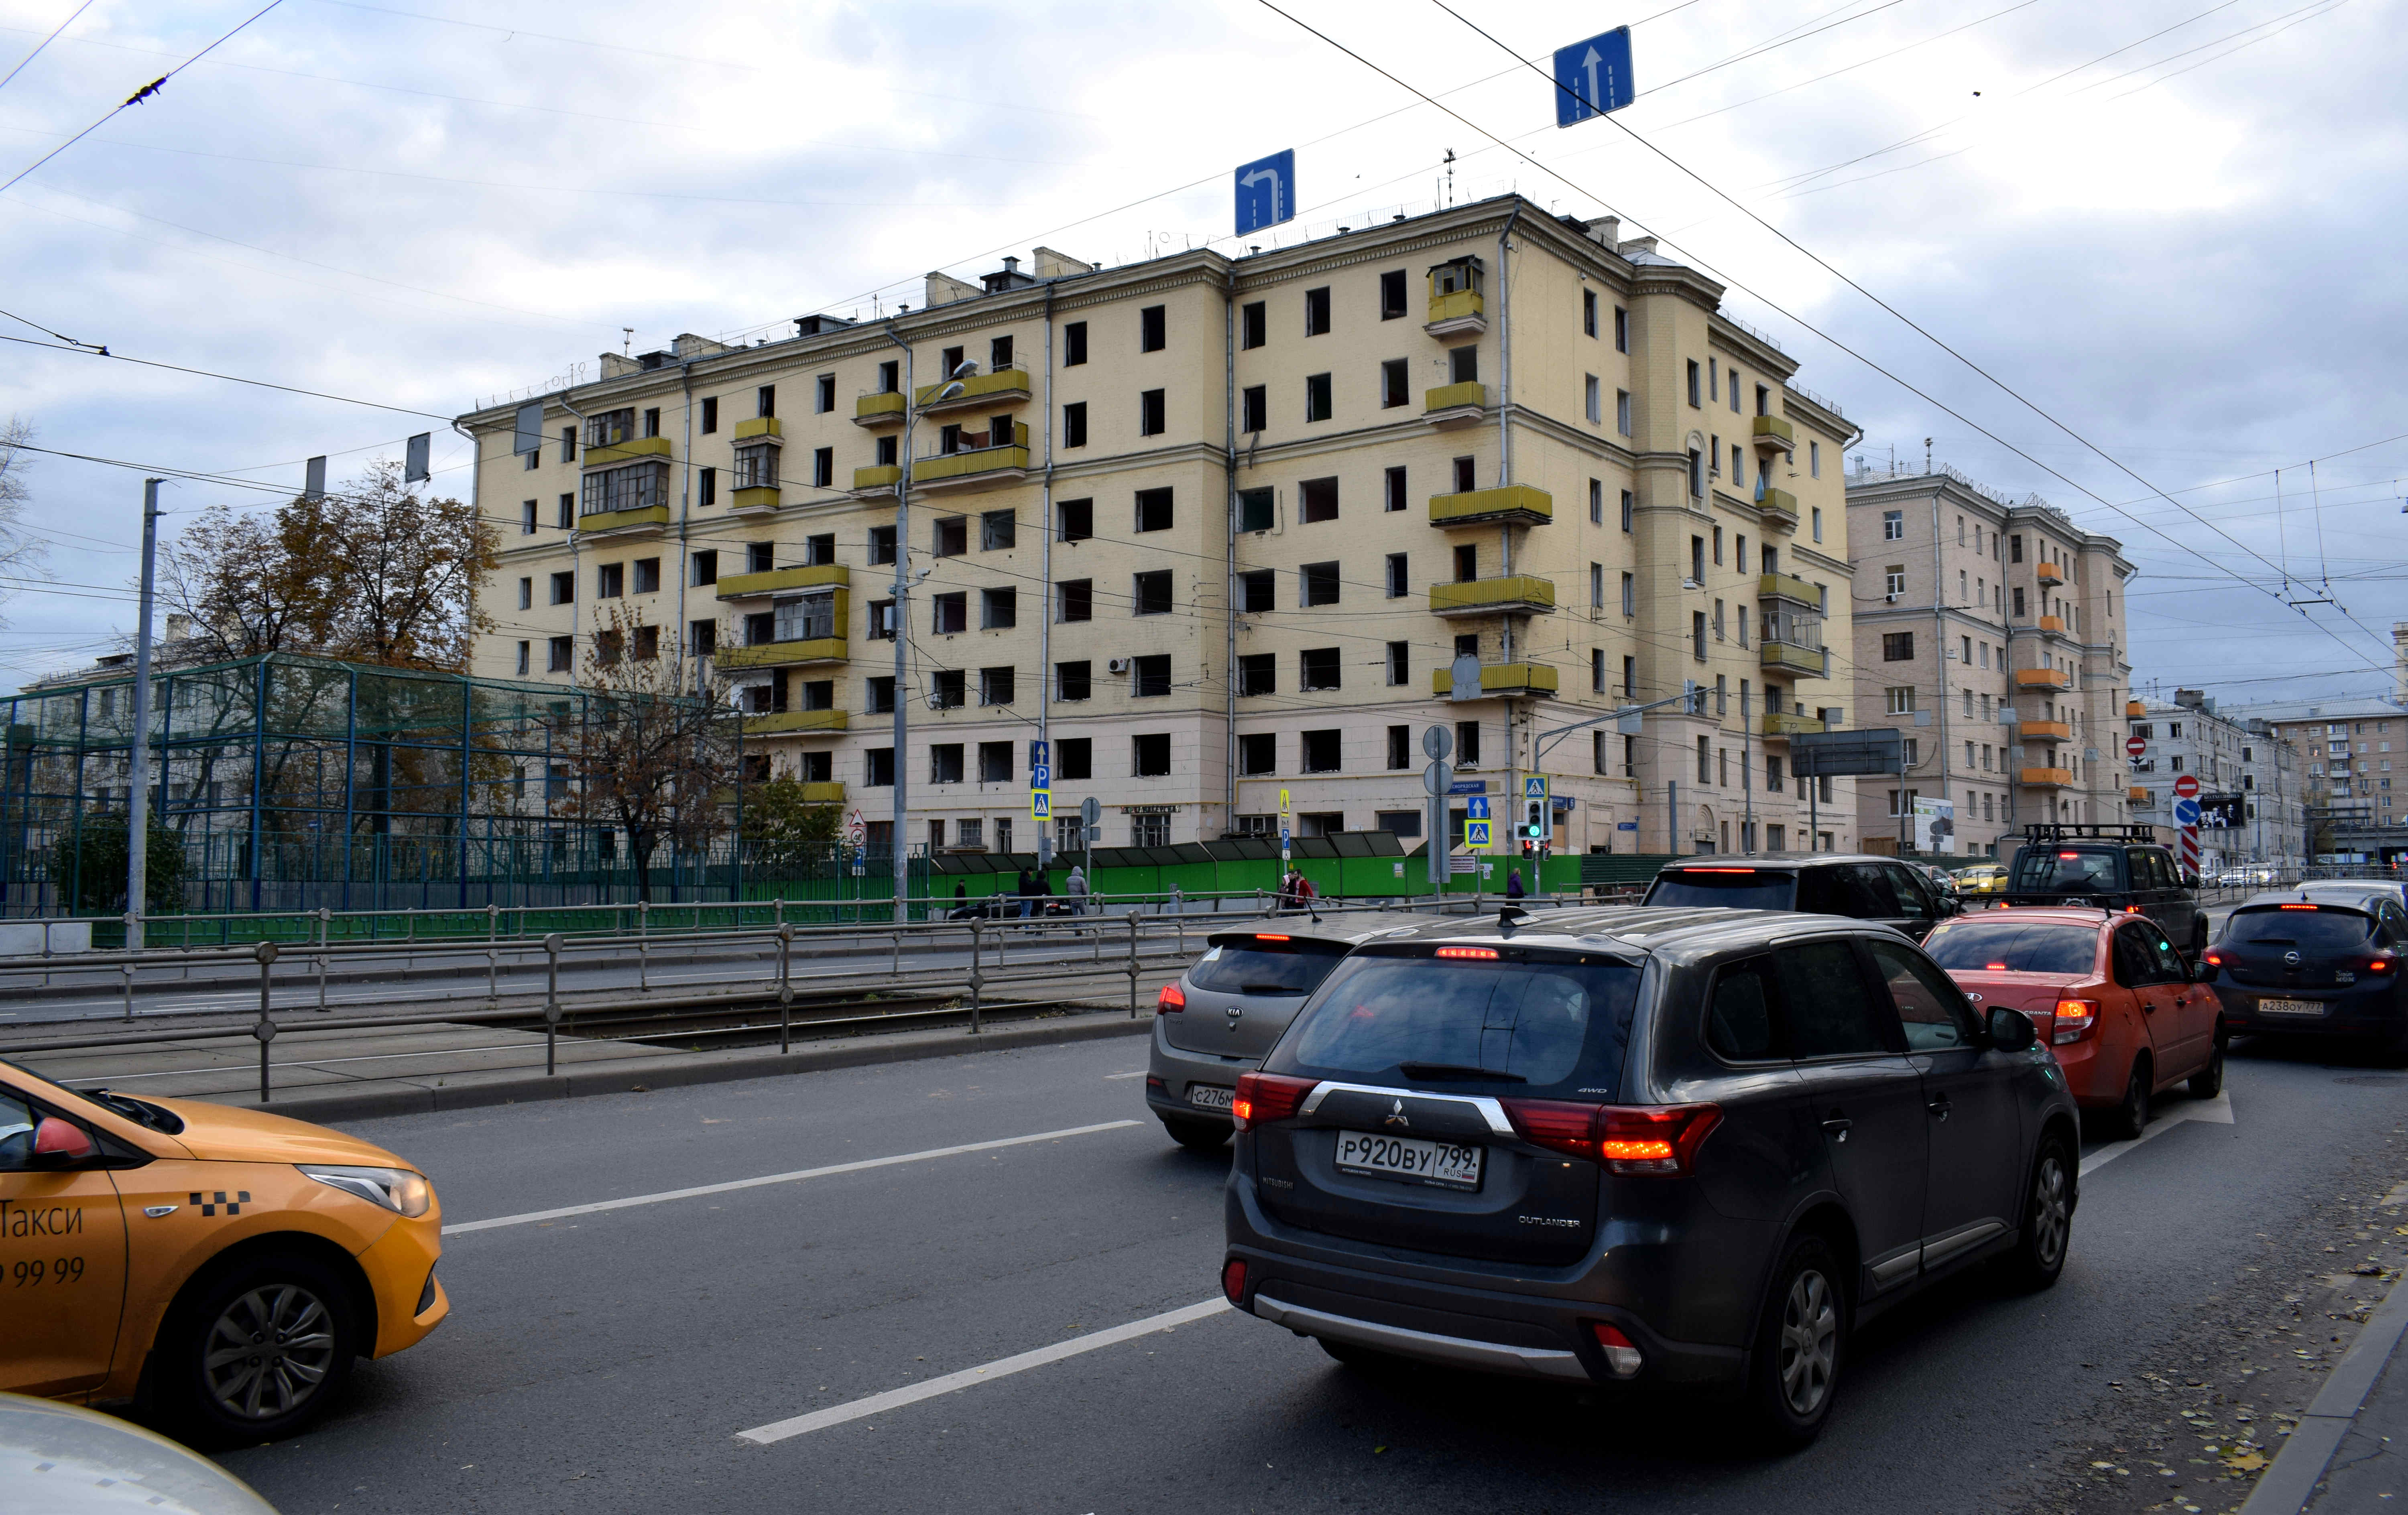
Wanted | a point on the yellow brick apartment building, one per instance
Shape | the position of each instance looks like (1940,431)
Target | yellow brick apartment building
(1218,528)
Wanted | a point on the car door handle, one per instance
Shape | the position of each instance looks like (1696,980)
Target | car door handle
(2147,1007)
(1939,1106)
(1839,1127)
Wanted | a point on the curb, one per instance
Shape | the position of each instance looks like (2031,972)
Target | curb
(2285,1488)
(683,1070)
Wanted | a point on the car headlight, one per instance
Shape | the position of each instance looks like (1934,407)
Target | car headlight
(398,1190)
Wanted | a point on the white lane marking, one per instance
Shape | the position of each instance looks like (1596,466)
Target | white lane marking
(896,1398)
(796,1177)
(1138,1073)
(2217,1111)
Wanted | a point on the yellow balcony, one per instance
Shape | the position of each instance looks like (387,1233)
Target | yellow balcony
(1458,313)
(778,581)
(759,428)
(794,723)
(1004,384)
(876,479)
(1774,433)
(879,409)
(1499,679)
(2135,710)
(1788,657)
(1456,405)
(1520,594)
(648,519)
(2138,795)
(2044,731)
(980,468)
(1780,508)
(2045,777)
(1485,506)
(817,792)
(782,654)
(757,500)
(2048,573)
(1783,723)
(2055,623)
(1788,587)
(2042,678)
(627,452)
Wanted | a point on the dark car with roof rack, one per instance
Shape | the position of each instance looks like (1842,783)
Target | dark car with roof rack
(2107,867)
(1857,885)
(1654,1149)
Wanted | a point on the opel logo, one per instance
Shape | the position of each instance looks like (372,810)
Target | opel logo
(2290,960)
(1397,1117)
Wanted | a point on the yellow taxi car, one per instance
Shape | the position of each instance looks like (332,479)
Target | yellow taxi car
(1981,879)
(222,1266)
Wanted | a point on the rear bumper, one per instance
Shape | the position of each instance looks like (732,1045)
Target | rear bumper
(1169,1071)
(2357,1014)
(1429,1345)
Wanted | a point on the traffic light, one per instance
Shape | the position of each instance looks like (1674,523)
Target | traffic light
(1534,821)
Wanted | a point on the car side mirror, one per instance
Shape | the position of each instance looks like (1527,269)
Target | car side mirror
(2011,1031)
(2203,972)
(59,1144)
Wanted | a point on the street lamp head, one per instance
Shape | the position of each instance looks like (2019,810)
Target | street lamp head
(966,369)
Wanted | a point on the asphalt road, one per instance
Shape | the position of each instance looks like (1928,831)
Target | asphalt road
(608,1359)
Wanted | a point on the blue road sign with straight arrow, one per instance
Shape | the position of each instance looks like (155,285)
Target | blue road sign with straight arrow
(1593,77)
(1266,192)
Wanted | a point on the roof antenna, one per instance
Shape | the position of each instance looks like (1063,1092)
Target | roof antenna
(627,343)
(1450,175)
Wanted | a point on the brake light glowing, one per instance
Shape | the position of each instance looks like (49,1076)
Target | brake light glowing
(1233,1281)
(1172,1000)
(1467,951)
(1717,870)
(2295,907)
(2216,960)
(1993,967)
(1271,935)
(2068,856)
(2382,963)
(2074,1019)
(1632,1139)
(1266,1096)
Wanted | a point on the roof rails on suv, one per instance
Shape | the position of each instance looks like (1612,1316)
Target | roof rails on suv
(2065,831)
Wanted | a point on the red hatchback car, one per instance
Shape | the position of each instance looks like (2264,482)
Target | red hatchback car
(2127,1013)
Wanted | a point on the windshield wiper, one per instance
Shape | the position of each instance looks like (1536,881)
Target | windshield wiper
(1447,1071)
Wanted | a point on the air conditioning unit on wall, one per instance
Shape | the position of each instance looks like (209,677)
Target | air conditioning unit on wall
(1118,666)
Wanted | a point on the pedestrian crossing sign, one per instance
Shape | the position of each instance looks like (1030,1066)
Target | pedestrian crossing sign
(1475,834)
(1040,804)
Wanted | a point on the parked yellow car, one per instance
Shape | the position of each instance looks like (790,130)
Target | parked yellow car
(223,1265)
(1982,878)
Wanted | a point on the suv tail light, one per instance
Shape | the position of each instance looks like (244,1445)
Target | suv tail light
(2383,962)
(1266,1096)
(1622,1355)
(1172,1000)
(1630,1139)
(1233,1281)
(2074,1020)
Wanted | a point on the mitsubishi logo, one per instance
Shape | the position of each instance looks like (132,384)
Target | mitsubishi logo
(1397,1117)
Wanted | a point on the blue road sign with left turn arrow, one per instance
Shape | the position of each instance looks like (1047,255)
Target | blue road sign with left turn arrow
(1267,191)
(1593,77)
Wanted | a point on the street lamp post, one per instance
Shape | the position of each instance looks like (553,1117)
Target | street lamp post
(899,628)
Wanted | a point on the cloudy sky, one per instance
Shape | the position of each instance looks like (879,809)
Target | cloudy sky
(2164,223)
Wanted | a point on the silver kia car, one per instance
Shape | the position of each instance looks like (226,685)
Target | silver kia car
(1223,1014)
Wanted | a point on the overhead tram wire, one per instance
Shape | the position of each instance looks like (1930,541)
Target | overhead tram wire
(44,43)
(91,351)
(2385,667)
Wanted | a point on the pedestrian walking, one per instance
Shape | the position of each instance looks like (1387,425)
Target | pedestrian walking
(1028,889)
(1043,892)
(1076,887)
(1512,883)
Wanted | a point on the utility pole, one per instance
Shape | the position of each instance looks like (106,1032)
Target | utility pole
(138,808)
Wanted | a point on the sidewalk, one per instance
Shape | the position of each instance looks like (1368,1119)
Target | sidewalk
(2348,1455)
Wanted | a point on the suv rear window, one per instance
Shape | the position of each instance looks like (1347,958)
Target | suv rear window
(1534,1026)
(2323,930)
(1732,889)
(2067,870)
(2009,946)
(1267,968)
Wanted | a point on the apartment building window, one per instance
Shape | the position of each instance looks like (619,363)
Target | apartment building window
(882,696)
(648,575)
(1316,397)
(1392,294)
(824,468)
(1898,699)
(1898,646)
(2019,602)
(1153,329)
(526,518)
(1893,525)
(1718,620)
(1258,673)
(944,767)
(1254,403)
(1467,744)
(886,449)
(607,646)
(1151,756)
(824,393)
(1893,579)
(1629,678)
(1596,670)
(1695,403)
(525,654)
(1074,521)
(1316,311)
(1320,752)
(710,414)
(1705,749)
(1076,599)
(1074,425)
(996,686)
(1398,672)
(1621,330)
(889,376)
(1150,413)
(1317,668)
(998,610)
(1317,499)
(999,530)
(882,544)
(1697,472)
(1255,509)
(1392,383)
(560,652)
(1463,365)
(1814,459)
(949,614)
(949,536)
(1698,634)
(1597,586)
(1318,583)
(1596,502)
(1592,403)
(1696,562)
(702,638)
(526,594)
(1630,503)
(1622,413)
(1818,522)
(1073,681)
(1397,586)
(1074,344)
(1153,594)
(1466,475)
(610,581)
(764,400)
(1258,591)
(1400,748)
(1253,325)
(1467,562)
(1154,509)
(1734,393)
(1395,498)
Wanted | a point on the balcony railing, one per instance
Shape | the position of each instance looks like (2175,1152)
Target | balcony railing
(2045,731)
(2048,573)
(1003,384)
(1500,679)
(817,576)
(791,723)
(1780,504)
(1518,594)
(760,428)
(823,792)
(1772,432)
(1458,313)
(1789,657)
(1482,507)
(651,517)
(754,499)
(877,479)
(2044,678)
(2045,777)
(626,451)
(1456,405)
(1783,723)
(973,468)
(2139,798)
(793,654)
(2135,710)
(879,409)
(2055,623)
(1788,587)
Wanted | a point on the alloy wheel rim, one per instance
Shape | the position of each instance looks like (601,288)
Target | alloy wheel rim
(1810,1331)
(269,1351)
(2051,1215)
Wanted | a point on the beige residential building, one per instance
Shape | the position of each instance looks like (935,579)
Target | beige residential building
(1991,635)
(1218,529)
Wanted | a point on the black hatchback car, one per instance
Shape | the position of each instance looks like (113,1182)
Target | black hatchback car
(1862,887)
(1654,1148)
(2321,962)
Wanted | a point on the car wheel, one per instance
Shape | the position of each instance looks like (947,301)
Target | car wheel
(261,1351)
(2132,1116)
(1800,1346)
(1197,1136)
(2208,1082)
(2038,1256)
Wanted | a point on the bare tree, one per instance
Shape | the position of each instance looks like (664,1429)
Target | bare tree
(655,753)
(21,552)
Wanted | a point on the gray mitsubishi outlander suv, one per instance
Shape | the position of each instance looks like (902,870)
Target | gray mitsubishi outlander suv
(1656,1148)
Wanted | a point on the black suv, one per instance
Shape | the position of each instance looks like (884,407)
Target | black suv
(1860,886)
(2111,867)
(1641,1147)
